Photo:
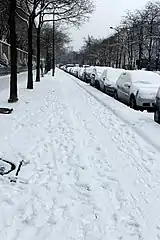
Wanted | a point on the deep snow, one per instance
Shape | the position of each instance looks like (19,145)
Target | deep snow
(91,166)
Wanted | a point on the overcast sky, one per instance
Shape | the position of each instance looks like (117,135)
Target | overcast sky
(108,13)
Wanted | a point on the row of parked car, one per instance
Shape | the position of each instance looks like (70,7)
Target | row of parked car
(139,89)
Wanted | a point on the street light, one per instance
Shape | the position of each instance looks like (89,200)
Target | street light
(53,46)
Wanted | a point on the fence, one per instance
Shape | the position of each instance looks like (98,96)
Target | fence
(22,59)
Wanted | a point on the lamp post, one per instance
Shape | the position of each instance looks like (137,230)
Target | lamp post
(12,27)
(53,46)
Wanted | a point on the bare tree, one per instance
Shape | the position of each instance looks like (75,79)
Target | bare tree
(12,27)
(65,11)
(61,40)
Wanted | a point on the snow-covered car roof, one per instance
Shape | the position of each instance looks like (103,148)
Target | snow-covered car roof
(69,69)
(144,77)
(113,73)
(81,70)
(75,69)
(100,70)
(86,66)
(90,69)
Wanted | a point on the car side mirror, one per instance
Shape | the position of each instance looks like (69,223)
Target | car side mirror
(127,84)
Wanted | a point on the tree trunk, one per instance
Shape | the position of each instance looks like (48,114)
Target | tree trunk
(157,61)
(38,55)
(140,56)
(48,61)
(53,57)
(149,56)
(124,61)
(13,79)
(30,53)
(120,58)
(150,48)
(117,56)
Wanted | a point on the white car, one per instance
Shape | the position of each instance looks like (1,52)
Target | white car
(87,74)
(75,71)
(109,78)
(68,69)
(71,71)
(138,89)
(157,107)
(96,76)
(82,71)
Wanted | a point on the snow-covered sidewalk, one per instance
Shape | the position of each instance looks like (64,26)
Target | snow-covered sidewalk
(87,173)
(5,80)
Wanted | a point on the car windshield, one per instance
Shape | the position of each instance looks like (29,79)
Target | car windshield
(142,82)
(113,74)
(145,77)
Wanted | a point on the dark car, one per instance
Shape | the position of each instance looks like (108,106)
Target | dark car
(157,108)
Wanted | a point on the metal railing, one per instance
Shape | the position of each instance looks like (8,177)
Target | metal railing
(22,59)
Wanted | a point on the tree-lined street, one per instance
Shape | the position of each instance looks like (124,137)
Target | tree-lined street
(79,134)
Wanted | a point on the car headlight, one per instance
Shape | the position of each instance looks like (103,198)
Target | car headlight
(139,97)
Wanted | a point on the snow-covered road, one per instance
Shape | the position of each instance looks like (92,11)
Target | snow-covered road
(88,173)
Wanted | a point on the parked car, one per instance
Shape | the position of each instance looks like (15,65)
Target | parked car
(87,74)
(109,78)
(69,65)
(82,72)
(96,76)
(69,69)
(85,66)
(138,89)
(75,71)
(157,107)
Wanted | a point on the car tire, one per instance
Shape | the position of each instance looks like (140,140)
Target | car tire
(133,104)
(157,116)
(115,95)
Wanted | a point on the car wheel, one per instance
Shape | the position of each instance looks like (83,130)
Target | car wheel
(133,103)
(115,95)
(157,117)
